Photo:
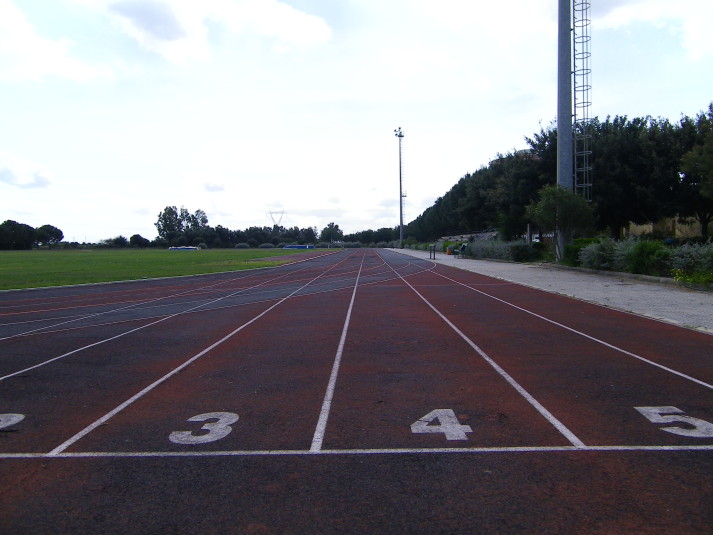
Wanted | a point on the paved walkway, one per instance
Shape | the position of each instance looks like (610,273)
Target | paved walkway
(654,298)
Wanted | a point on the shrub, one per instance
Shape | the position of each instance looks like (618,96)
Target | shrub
(519,251)
(571,251)
(242,246)
(693,263)
(649,258)
(523,252)
(598,255)
(266,246)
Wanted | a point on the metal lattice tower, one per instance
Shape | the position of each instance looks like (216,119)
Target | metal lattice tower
(581,41)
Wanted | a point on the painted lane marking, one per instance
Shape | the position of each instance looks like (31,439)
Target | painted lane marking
(149,388)
(569,435)
(221,428)
(666,415)
(42,330)
(7,420)
(318,437)
(589,337)
(131,331)
(448,424)
(376,451)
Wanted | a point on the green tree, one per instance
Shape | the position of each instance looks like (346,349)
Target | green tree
(169,224)
(138,241)
(697,184)
(331,233)
(49,235)
(560,211)
(14,235)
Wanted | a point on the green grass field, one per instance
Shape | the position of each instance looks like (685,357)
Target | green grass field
(40,268)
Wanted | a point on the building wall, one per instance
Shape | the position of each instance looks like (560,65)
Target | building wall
(668,227)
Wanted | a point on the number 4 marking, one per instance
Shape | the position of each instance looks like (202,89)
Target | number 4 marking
(448,424)
(665,415)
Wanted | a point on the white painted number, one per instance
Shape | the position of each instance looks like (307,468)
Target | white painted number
(6,420)
(665,415)
(448,424)
(215,430)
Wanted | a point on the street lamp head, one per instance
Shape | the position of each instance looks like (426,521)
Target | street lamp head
(398,132)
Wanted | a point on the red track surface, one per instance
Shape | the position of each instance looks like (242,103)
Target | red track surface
(357,392)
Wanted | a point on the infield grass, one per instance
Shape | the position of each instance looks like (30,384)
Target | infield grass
(61,267)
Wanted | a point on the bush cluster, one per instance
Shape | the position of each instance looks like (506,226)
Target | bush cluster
(687,263)
(517,251)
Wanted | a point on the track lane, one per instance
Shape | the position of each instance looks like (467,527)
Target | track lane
(216,347)
(548,359)
(410,490)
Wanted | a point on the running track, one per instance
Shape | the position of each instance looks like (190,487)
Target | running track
(361,391)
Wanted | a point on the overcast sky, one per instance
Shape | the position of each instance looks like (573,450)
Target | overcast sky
(111,110)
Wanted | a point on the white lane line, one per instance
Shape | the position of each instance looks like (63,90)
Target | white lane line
(585,335)
(131,331)
(366,451)
(132,399)
(45,329)
(569,435)
(318,437)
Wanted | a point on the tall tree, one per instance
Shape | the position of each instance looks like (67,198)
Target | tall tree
(331,233)
(561,211)
(14,235)
(169,224)
(695,196)
(49,235)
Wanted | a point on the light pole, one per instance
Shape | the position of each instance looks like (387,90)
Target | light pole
(399,134)
(565,158)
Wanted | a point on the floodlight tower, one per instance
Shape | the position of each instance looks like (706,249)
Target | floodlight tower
(565,161)
(399,134)
(573,132)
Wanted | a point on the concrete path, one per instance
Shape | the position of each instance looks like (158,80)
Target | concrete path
(661,299)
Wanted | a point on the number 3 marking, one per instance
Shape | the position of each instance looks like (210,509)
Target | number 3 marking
(448,424)
(665,415)
(6,420)
(216,430)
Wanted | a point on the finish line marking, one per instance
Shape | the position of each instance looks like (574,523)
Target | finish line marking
(375,451)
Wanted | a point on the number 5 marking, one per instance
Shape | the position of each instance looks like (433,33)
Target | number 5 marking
(448,425)
(6,420)
(216,430)
(665,415)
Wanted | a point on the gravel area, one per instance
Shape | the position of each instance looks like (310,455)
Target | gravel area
(661,299)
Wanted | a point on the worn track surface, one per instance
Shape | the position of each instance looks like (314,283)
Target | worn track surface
(355,392)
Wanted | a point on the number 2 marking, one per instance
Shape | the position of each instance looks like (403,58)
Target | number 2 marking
(216,430)
(665,415)
(6,420)
(448,424)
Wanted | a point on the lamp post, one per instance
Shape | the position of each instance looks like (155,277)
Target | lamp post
(399,134)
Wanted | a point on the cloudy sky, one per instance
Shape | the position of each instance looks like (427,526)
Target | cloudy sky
(111,110)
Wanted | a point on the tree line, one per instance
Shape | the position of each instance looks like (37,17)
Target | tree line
(18,236)
(643,169)
(180,227)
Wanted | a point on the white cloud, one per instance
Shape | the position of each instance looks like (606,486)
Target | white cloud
(22,173)
(177,30)
(687,19)
(25,55)
(272,19)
